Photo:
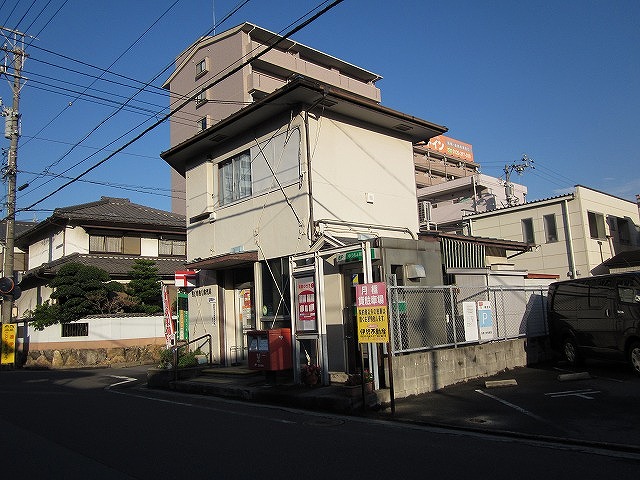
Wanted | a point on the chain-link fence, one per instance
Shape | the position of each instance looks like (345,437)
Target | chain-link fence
(424,318)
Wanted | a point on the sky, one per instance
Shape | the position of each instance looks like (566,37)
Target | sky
(557,81)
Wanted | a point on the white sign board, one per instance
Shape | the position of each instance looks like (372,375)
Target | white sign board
(470,321)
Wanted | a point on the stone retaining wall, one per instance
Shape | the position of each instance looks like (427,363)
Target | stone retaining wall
(93,357)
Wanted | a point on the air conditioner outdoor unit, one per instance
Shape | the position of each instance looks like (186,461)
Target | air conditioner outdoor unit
(424,215)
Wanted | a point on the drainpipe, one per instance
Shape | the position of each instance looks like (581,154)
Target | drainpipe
(569,240)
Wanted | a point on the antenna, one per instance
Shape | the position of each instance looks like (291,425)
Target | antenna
(519,168)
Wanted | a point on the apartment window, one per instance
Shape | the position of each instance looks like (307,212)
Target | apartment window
(235,178)
(172,247)
(596,225)
(202,67)
(75,329)
(201,98)
(550,229)
(105,244)
(527,230)
(203,123)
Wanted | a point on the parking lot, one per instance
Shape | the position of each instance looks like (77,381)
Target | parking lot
(597,402)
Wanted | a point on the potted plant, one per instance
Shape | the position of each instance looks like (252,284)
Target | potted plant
(354,383)
(310,374)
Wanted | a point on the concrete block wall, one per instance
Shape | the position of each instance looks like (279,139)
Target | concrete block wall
(424,372)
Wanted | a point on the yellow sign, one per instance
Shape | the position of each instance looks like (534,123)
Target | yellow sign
(373,324)
(9,331)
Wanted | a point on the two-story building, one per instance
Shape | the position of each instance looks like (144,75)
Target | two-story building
(573,235)
(110,234)
(306,167)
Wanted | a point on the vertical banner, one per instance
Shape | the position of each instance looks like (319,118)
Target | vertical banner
(372,313)
(168,321)
(183,316)
(9,331)
(485,320)
(306,304)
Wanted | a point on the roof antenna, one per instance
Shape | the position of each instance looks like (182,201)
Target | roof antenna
(213,7)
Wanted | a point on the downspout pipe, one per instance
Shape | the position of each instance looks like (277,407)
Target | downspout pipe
(569,239)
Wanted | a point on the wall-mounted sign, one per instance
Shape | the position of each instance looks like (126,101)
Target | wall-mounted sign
(305,304)
(485,320)
(356,256)
(372,313)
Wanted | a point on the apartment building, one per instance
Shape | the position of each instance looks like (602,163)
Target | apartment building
(449,185)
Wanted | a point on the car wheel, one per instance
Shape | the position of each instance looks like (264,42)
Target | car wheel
(634,357)
(570,350)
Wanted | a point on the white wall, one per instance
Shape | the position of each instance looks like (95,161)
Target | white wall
(101,330)
(362,176)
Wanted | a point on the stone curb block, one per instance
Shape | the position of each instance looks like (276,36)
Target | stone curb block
(500,383)
(574,376)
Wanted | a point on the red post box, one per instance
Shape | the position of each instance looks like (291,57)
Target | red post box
(269,349)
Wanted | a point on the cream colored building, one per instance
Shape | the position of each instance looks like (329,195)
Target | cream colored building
(205,78)
(573,234)
(308,166)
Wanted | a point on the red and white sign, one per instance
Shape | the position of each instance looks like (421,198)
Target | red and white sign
(186,278)
(306,303)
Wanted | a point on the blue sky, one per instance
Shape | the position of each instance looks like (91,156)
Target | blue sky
(558,81)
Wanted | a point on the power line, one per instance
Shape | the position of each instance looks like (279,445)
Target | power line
(184,103)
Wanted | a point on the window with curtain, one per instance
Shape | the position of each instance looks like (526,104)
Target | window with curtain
(105,244)
(172,247)
(235,178)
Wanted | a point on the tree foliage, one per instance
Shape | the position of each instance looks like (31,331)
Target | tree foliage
(145,286)
(81,290)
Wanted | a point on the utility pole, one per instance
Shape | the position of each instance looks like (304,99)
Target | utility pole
(13,46)
(526,162)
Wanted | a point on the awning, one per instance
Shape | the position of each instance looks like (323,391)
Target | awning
(224,261)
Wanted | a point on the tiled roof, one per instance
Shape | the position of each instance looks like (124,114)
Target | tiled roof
(19,227)
(118,266)
(109,211)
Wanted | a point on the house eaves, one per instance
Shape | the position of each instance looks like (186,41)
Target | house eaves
(489,242)
(516,208)
(305,95)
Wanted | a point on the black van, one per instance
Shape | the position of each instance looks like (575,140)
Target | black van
(596,317)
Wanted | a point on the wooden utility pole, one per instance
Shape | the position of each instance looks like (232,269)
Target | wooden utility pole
(13,47)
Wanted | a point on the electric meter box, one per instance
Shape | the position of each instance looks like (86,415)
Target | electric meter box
(270,349)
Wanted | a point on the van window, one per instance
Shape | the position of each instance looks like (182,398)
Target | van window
(629,295)
(571,297)
(598,296)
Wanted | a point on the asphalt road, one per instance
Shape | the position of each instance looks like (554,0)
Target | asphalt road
(106,424)
(597,402)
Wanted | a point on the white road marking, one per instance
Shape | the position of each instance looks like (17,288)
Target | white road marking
(586,394)
(511,405)
(124,381)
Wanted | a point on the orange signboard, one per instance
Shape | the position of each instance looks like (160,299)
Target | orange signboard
(451,148)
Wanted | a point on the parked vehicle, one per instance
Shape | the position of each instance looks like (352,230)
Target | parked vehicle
(596,317)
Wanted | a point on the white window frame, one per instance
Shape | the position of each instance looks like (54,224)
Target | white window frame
(595,221)
(234,175)
(202,67)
